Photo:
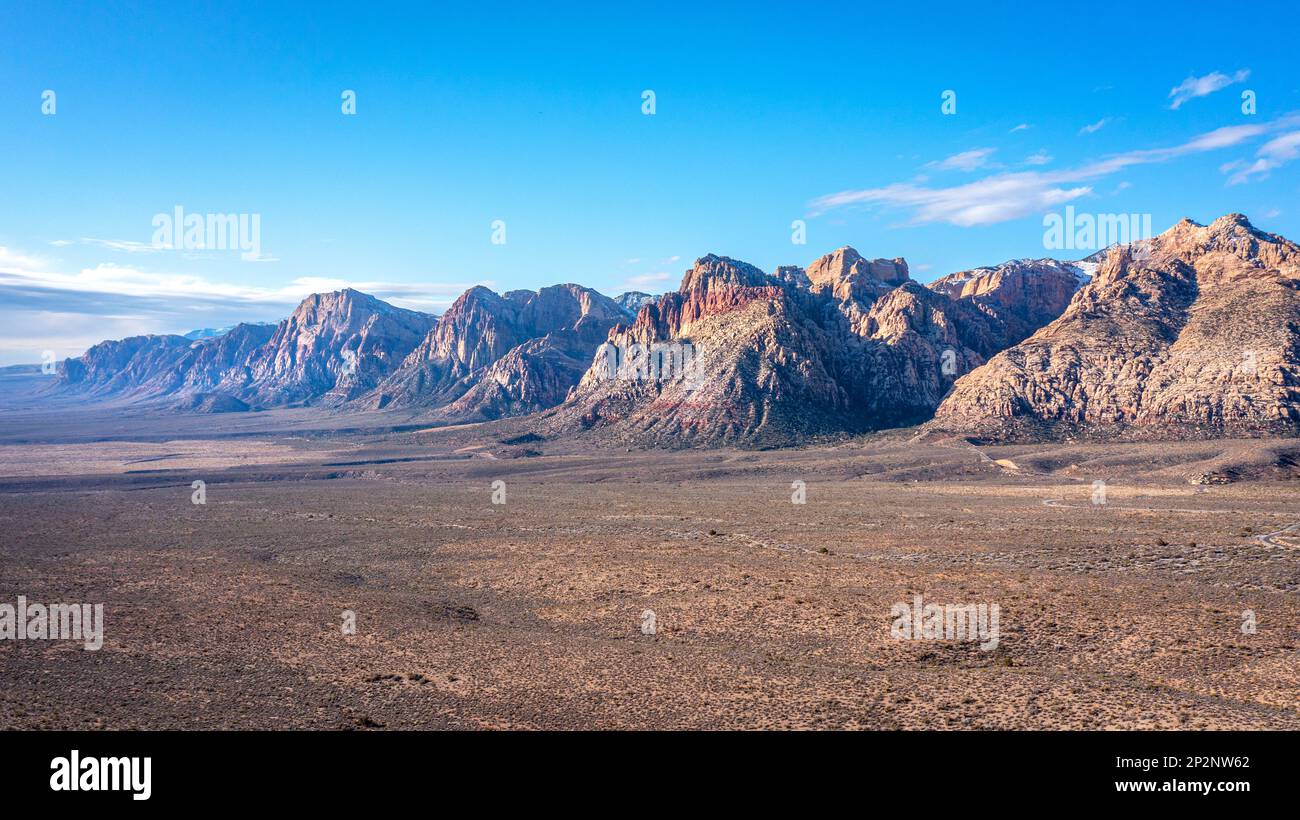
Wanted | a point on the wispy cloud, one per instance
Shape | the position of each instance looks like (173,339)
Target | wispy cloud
(986,201)
(25,335)
(1273,154)
(645,282)
(14,260)
(1024,126)
(1194,87)
(1095,127)
(42,308)
(134,247)
(965,161)
(124,245)
(1004,196)
(1039,158)
(119,280)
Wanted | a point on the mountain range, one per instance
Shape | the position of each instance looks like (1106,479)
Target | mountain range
(1193,333)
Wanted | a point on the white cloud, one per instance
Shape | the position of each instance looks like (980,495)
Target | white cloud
(1006,196)
(986,201)
(42,308)
(1024,126)
(12,260)
(1095,127)
(1273,154)
(25,335)
(1194,87)
(1039,158)
(645,282)
(1225,137)
(125,245)
(119,280)
(134,247)
(965,161)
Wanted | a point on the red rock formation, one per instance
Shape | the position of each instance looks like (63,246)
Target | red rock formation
(781,359)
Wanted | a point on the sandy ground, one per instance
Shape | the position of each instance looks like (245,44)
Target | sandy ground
(195,455)
(529,614)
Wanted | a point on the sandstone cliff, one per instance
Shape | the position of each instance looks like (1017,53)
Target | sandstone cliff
(1191,334)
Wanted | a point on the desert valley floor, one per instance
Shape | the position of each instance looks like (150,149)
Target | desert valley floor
(528,614)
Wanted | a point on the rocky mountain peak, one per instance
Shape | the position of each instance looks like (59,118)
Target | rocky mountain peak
(1191,332)
(1023,294)
(531,345)
(338,343)
(1186,335)
(1228,246)
(711,272)
(846,274)
(632,300)
(476,295)
(1234,219)
(793,275)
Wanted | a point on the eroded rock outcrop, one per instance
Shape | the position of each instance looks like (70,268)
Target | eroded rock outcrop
(1021,295)
(333,347)
(492,355)
(845,346)
(122,367)
(1191,334)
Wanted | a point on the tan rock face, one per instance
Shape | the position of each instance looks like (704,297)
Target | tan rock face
(1193,333)
(783,359)
(493,355)
(719,272)
(125,366)
(846,275)
(334,345)
(533,376)
(218,365)
(1022,295)
(1187,335)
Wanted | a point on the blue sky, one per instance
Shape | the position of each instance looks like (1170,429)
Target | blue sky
(467,113)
